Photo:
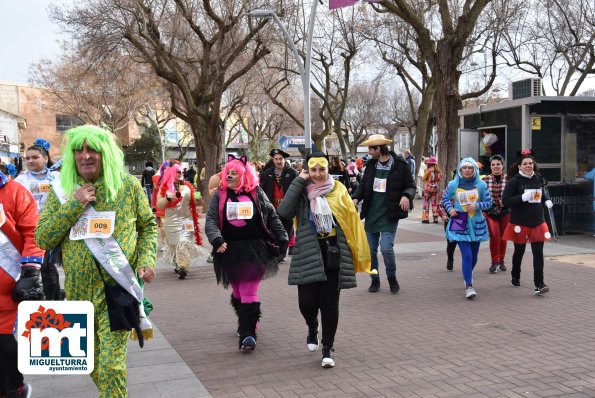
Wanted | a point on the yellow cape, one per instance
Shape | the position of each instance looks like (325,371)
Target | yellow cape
(344,211)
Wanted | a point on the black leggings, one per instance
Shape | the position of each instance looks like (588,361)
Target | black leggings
(451,246)
(323,296)
(517,258)
(10,377)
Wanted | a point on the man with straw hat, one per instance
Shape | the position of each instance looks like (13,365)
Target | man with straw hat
(387,189)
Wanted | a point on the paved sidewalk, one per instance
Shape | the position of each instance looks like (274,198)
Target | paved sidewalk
(154,371)
(427,341)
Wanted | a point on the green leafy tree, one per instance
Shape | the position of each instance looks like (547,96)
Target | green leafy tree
(146,148)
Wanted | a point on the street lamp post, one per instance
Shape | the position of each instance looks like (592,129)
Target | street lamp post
(303,67)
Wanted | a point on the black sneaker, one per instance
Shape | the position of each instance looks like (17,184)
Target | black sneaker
(493,268)
(542,289)
(394,285)
(312,339)
(176,270)
(182,273)
(425,221)
(327,357)
(502,267)
(515,282)
(374,286)
(449,264)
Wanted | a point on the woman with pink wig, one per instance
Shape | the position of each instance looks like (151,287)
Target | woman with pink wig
(180,224)
(245,231)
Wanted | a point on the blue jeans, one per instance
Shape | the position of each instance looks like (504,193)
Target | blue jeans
(387,241)
(149,189)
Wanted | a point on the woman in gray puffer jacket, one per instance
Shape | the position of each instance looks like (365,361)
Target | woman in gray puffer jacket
(330,247)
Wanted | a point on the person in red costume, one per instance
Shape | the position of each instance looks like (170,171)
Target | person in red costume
(20,276)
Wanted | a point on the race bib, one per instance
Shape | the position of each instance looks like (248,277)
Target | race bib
(98,224)
(2,215)
(379,184)
(188,227)
(468,197)
(240,210)
(535,195)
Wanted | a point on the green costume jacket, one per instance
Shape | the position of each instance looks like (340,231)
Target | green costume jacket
(135,230)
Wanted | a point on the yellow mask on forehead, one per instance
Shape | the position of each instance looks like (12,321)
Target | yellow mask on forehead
(312,162)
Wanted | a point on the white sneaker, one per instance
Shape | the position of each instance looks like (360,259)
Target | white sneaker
(327,357)
(470,293)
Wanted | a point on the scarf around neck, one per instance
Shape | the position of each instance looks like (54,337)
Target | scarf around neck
(322,215)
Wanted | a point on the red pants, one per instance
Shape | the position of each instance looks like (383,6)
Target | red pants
(496,226)
(430,198)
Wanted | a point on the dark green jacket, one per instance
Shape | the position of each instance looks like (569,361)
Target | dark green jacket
(306,264)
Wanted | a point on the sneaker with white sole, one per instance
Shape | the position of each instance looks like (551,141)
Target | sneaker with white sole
(470,293)
(312,340)
(327,357)
(542,289)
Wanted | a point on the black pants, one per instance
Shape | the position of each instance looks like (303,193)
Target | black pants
(323,296)
(10,377)
(517,258)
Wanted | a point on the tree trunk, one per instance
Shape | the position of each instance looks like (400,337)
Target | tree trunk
(208,150)
(447,104)
(424,121)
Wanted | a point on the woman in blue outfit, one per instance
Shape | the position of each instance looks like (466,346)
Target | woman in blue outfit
(467,225)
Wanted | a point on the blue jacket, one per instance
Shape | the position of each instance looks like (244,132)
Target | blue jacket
(477,229)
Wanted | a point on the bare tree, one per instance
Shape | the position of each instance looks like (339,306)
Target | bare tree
(365,108)
(107,94)
(198,47)
(442,45)
(554,40)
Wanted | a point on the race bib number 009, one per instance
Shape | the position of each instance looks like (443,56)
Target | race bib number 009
(94,225)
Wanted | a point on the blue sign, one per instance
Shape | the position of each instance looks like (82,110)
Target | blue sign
(292,141)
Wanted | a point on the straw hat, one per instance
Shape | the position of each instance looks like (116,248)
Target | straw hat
(376,139)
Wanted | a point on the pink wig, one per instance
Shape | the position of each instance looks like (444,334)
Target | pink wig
(169,178)
(248,176)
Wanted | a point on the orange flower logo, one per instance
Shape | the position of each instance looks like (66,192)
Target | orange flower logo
(43,319)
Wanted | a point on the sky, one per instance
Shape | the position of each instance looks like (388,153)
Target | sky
(26,36)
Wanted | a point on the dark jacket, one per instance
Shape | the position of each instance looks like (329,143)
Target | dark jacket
(213,222)
(306,264)
(267,180)
(148,173)
(399,183)
(524,213)
(341,176)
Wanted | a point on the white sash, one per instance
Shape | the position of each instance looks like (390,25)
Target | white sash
(108,253)
(10,258)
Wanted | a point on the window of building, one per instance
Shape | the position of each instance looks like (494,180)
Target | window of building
(66,122)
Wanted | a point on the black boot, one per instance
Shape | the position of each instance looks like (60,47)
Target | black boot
(394,285)
(235,303)
(374,286)
(249,314)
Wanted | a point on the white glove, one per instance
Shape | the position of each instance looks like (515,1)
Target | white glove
(526,196)
(549,204)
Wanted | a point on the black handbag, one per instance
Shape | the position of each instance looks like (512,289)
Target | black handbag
(333,258)
(122,308)
(49,274)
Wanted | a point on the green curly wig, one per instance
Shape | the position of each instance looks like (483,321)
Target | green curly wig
(101,141)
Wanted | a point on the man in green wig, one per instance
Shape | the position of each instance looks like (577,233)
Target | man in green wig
(100,215)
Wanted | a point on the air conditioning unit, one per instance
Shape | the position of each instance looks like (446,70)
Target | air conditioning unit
(525,88)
